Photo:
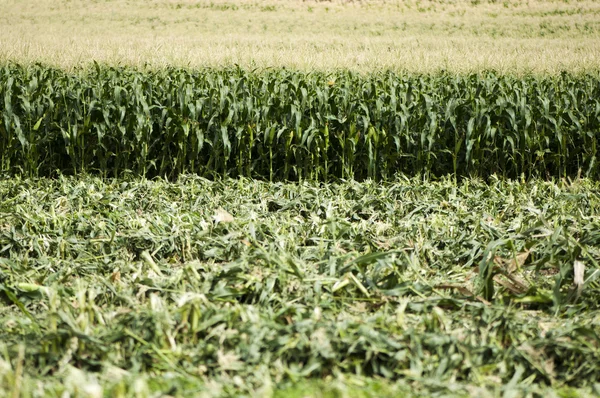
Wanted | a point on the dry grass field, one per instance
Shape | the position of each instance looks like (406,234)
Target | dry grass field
(423,36)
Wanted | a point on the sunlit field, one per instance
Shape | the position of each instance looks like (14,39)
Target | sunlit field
(414,36)
(299,199)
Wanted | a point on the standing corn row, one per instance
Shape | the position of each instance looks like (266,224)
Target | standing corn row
(292,125)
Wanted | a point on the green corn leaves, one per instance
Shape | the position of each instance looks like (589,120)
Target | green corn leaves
(287,125)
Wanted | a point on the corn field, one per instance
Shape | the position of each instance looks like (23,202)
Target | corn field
(178,232)
(288,125)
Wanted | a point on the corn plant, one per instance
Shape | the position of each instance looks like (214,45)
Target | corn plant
(279,124)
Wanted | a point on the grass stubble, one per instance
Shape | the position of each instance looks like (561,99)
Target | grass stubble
(511,36)
(228,287)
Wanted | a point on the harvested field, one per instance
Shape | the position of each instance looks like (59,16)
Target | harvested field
(245,287)
(407,36)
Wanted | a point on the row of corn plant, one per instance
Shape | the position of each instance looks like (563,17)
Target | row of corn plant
(280,124)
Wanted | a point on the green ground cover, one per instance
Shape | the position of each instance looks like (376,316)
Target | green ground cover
(142,288)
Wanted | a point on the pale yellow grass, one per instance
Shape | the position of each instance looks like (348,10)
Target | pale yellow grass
(460,36)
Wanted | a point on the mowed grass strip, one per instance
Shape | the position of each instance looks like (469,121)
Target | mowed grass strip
(289,125)
(125,287)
